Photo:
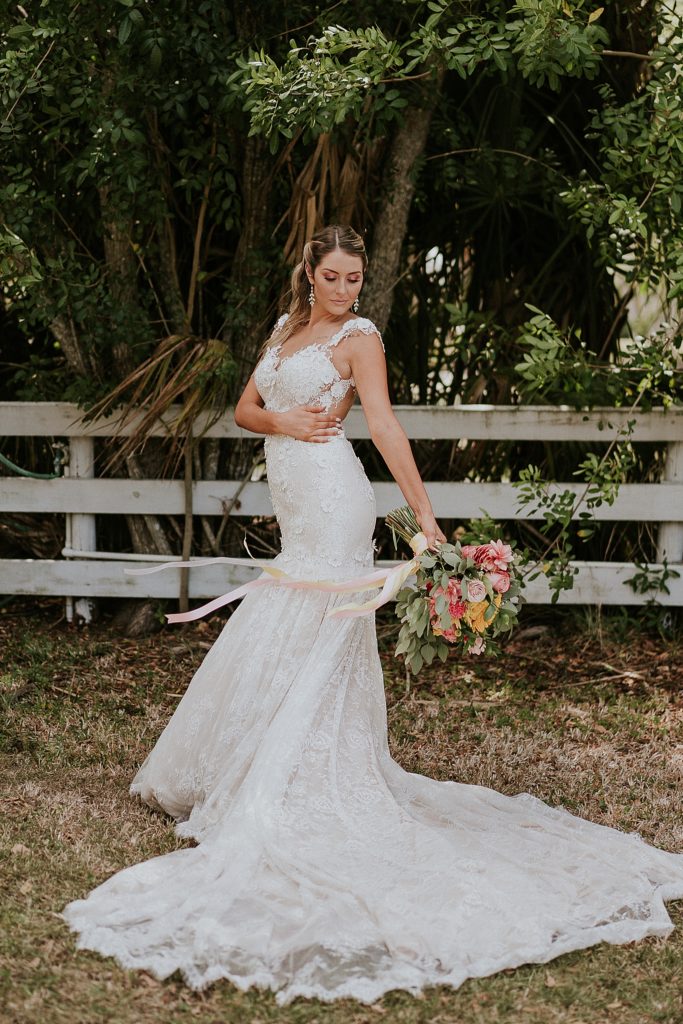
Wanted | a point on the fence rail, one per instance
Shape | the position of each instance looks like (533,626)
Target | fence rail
(475,422)
(85,573)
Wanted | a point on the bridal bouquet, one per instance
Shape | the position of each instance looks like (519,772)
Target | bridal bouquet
(465,595)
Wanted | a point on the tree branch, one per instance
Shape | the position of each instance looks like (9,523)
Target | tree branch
(629,53)
(192,290)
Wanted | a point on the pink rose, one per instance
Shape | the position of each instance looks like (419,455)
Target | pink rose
(468,550)
(478,646)
(454,588)
(500,581)
(476,591)
(457,609)
(450,635)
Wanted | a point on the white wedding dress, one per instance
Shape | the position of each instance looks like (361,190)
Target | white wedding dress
(323,868)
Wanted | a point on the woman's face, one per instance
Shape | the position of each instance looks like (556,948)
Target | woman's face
(337,281)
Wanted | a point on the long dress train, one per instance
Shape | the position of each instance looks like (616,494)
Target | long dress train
(323,868)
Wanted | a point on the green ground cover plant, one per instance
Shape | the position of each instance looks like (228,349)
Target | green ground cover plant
(581,710)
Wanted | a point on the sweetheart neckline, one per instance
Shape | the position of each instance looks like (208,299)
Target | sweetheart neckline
(317,344)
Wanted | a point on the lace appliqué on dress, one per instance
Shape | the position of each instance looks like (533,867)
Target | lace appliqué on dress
(308,375)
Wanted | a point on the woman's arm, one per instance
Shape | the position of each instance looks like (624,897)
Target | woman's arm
(303,422)
(250,414)
(369,369)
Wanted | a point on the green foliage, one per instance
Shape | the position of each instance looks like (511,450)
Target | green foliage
(555,40)
(322,84)
(558,508)
(344,71)
(557,366)
(648,579)
(105,139)
(148,108)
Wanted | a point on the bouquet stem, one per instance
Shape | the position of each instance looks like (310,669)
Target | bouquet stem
(402,521)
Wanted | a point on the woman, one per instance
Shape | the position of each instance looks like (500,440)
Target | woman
(323,869)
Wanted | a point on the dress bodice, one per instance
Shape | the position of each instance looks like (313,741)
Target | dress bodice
(307,376)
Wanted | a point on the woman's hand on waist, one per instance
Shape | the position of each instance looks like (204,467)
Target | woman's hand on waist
(309,423)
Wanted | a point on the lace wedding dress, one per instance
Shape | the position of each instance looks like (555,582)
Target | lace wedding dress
(323,868)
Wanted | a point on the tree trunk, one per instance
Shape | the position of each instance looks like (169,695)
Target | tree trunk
(166,258)
(167,274)
(184,596)
(121,272)
(251,283)
(78,359)
(391,222)
(147,533)
(250,276)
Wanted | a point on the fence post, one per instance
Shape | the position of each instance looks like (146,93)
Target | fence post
(670,536)
(82,525)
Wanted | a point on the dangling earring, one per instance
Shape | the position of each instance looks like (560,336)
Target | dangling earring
(356,304)
(311,296)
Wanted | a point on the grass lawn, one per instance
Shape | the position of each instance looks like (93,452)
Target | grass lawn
(580,712)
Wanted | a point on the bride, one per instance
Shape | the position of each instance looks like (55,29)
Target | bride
(323,868)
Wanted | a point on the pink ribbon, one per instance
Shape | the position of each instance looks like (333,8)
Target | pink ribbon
(390,580)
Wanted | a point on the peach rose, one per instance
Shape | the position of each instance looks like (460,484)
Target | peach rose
(500,581)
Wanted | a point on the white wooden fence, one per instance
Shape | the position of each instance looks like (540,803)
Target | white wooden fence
(85,572)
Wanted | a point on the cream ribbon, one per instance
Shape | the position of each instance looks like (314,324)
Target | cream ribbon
(390,580)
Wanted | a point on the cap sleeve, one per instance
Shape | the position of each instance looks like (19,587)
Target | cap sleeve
(359,325)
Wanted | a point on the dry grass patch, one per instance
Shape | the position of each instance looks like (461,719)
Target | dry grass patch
(593,723)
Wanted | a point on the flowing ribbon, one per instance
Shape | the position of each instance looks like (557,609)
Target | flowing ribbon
(390,580)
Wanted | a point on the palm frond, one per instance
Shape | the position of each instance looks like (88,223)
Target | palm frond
(184,379)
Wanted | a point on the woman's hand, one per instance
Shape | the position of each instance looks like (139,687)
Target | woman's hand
(431,529)
(310,423)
